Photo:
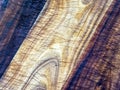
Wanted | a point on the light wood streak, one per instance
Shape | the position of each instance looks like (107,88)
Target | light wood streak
(62,33)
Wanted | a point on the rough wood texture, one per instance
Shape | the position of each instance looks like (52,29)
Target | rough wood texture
(74,45)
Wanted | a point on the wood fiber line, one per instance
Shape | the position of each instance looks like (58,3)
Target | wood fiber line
(8,20)
(65,32)
(16,19)
(96,73)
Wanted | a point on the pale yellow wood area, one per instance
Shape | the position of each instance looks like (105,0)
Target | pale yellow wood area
(54,45)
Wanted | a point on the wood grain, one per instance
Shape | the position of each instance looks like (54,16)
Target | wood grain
(59,42)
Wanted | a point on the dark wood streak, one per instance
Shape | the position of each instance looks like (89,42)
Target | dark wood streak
(84,78)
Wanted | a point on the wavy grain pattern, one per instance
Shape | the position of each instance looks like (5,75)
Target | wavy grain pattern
(16,19)
(74,45)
